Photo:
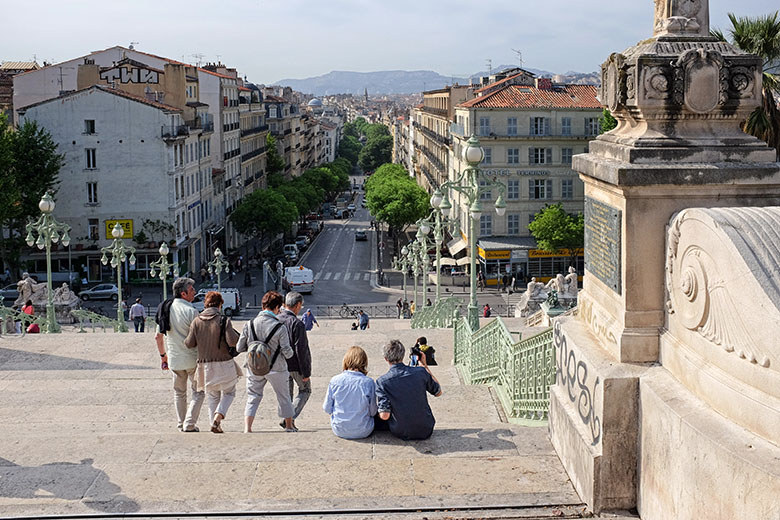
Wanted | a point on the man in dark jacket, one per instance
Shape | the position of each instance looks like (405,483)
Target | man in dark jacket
(299,364)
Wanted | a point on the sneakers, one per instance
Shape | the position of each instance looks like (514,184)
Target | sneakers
(194,429)
(291,430)
(285,428)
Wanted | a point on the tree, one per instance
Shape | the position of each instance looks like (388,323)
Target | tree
(349,149)
(274,163)
(376,152)
(29,167)
(360,125)
(555,230)
(761,36)
(607,122)
(395,198)
(375,130)
(263,212)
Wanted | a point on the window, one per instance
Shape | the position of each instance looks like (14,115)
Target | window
(513,156)
(592,125)
(89,126)
(92,228)
(485,195)
(566,154)
(540,189)
(566,126)
(488,156)
(511,126)
(513,224)
(567,188)
(91,154)
(539,155)
(513,189)
(92,194)
(485,225)
(484,126)
(540,126)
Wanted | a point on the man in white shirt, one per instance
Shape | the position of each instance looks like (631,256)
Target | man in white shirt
(138,315)
(180,359)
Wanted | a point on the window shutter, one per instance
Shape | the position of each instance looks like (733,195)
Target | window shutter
(546,126)
(530,156)
(531,189)
(531,126)
(548,155)
(549,189)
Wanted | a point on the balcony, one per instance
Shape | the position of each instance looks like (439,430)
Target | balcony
(254,130)
(231,154)
(174,131)
(253,153)
(446,141)
(441,112)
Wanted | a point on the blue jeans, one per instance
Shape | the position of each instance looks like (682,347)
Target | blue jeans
(138,323)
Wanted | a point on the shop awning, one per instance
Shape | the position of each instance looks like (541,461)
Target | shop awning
(463,261)
(456,245)
(449,261)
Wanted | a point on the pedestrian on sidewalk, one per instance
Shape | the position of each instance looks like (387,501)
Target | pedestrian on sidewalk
(173,325)
(212,334)
(401,396)
(486,311)
(363,320)
(263,324)
(412,308)
(138,315)
(299,365)
(351,397)
(309,321)
(399,305)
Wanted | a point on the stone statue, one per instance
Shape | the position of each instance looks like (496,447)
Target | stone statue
(570,282)
(30,290)
(681,17)
(64,296)
(557,284)
(534,288)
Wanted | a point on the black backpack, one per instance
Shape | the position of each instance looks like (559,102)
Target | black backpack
(163,315)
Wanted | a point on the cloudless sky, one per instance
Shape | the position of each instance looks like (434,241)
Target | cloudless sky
(268,40)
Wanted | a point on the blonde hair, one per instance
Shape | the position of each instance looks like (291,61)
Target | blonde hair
(355,359)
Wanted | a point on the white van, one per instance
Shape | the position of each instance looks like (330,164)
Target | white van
(299,278)
(291,252)
(231,295)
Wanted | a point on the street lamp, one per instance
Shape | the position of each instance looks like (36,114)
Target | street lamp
(217,265)
(414,260)
(468,184)
(422,240)
(118,251)
(48,231)
(163,267)
(404,268)
(435,219)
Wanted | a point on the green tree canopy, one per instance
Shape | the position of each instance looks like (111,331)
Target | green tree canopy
(761,36)
(349,149)
(376,152)
(274,162)
(375,130)
(361,124)
(555,230)
(607,121)
(263,212)
(395,198)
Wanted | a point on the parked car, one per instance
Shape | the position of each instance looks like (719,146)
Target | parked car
(351,207)
(104,291)
(291,252)
(230,295)
(302,241)
(361,235)
(343,213)
(9,293)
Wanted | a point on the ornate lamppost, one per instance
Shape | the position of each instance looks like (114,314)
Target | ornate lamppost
(439,223)
(118,251)
(217,265)
(48,231)
(163,266)
(472,183)
(423,244)
(414,261)
(403,264)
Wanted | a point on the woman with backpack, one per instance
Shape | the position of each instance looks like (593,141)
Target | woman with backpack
(216,373)
(267,343)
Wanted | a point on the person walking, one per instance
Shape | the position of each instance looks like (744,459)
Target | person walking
(486,311)
(351,397)
(299,365)
(138,315)
(217,374)
(178,315)
(363,320)
(399,305)
(262,325)
(309,321)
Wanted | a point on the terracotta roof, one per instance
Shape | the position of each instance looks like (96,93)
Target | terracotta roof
(498,83)
(109,90)
(216,74)
(244,89)
(521,96)
(274,99)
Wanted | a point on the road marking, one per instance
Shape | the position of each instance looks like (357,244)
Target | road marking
(336,276)
(317,276)
(367,276)
(346,276)
(327,276)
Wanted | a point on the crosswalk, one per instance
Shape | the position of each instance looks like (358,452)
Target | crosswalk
(353,276)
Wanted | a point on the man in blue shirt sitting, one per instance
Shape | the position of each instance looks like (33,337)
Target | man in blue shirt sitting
(401,395)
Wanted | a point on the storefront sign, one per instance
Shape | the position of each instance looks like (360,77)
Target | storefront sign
(519,254)
(540,253)
(500,254)
(127,227)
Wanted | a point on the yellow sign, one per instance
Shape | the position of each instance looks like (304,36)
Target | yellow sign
(501,254)
(540,253)
(127,227)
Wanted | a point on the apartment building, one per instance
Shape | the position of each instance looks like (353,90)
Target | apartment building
(402,143)
(529,134)
(254,131)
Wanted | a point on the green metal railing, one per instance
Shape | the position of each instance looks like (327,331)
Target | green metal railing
(9,316)
(93,319)
(521,373)
(442,314)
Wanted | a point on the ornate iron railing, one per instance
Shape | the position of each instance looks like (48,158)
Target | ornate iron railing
(9,317)
(521,372)
(93,318)
(443,314)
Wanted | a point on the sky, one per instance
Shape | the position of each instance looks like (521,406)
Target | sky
(270,40)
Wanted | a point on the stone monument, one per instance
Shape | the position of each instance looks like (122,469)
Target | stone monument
(679,98)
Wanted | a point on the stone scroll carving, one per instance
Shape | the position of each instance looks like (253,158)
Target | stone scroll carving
(681,17)
(705,247)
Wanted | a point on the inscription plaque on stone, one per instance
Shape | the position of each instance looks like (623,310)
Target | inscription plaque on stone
(602,242)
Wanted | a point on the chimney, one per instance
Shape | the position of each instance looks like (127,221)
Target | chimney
(543,83)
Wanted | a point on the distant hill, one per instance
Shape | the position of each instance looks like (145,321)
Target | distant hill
(405,81)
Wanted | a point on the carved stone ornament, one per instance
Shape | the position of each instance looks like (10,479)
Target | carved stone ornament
(657,84)
(681,17)
(740,84)
(614,81)
(703,78)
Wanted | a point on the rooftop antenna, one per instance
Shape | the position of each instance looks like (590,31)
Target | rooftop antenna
(199,57)
(519,57)
(489,63)
(131,47)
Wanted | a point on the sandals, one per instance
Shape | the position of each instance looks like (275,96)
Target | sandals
(216,426)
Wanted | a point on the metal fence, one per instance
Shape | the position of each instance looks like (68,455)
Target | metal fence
(521,372)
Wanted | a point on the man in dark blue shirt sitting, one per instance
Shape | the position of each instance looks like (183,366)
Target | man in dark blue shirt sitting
(401,395)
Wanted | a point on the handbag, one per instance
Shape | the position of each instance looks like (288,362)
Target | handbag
(222,340)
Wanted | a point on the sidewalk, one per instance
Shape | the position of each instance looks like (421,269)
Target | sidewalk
(87,426)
